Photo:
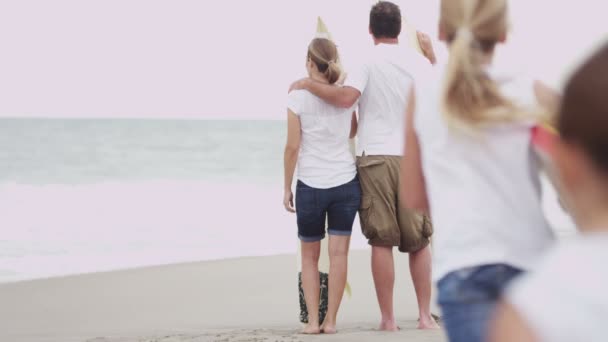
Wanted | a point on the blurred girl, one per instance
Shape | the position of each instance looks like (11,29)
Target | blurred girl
(468,160)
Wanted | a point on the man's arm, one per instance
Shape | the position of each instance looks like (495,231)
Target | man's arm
(343,97)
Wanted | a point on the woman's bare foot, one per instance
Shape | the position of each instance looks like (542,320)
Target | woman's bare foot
(329,328)
(427,323)
(388,326)
(311,329)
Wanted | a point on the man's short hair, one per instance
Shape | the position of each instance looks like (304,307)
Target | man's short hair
(385,20)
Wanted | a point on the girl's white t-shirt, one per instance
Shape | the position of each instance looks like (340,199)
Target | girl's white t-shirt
(325,160)
(566,298)
(484,190)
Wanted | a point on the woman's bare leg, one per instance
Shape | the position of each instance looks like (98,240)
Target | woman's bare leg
(310,284)
(338,266)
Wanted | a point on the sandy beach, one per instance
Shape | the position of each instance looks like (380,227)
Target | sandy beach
(248,299)
(245,299)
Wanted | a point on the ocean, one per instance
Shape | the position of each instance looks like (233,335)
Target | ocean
(82,196)
(50,151)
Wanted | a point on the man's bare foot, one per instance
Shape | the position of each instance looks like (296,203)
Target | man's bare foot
(328,328)
(388,326)
(427,323)
(311,329)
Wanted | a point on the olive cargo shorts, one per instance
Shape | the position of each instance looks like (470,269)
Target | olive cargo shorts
(384,219)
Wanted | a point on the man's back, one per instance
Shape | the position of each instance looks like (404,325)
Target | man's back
(384,81)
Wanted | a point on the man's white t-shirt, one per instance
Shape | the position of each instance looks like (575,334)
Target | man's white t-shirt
(566,299)
(484,190)
(385,81)
(325,160)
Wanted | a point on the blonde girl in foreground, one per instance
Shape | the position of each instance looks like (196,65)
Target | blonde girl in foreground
(469,162)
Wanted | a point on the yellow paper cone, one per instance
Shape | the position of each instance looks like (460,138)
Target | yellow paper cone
(322,31)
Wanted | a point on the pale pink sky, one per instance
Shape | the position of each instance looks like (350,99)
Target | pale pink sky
(225,59)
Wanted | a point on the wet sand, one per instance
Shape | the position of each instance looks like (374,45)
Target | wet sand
(248,299)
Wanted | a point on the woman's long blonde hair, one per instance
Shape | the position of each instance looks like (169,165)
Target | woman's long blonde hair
(473,28)
(324,53)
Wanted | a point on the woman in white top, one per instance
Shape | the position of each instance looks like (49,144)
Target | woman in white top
(328,189)
(566,299)
(468,160)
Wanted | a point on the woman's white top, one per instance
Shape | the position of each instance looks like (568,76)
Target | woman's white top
(325,160)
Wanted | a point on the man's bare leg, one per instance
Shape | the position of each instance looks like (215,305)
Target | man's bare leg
(420,269)
(383,270)
(311,284)
(338,266)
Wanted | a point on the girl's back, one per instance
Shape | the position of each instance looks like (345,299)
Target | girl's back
(325,160)
(483,187)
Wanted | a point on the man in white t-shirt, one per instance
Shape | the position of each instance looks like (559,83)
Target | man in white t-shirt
(382,86)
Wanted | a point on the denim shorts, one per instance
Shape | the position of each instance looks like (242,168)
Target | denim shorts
(337,206)
(469,297)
